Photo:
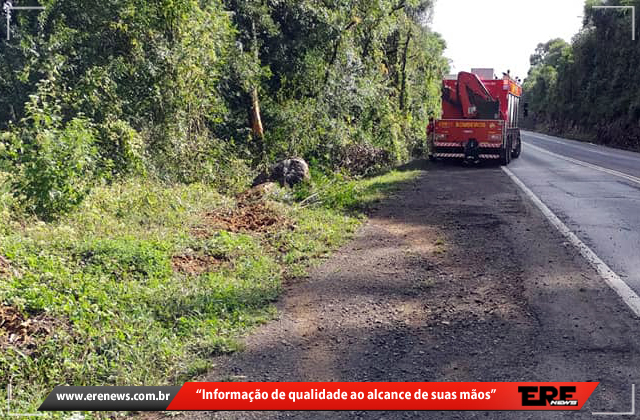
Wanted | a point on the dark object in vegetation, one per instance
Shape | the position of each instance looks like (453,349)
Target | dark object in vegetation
(288,172)
(361,159)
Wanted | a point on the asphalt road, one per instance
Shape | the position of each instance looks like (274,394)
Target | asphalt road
(594,190)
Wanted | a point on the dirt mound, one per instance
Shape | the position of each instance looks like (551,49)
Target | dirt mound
(17,331)
(194,264)
(257,193)
(257,217)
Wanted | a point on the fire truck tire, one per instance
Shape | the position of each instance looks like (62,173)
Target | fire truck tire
(505,153)
(518,149)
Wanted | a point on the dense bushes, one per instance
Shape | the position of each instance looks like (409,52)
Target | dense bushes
(115,88)
(587,89)
(53,160)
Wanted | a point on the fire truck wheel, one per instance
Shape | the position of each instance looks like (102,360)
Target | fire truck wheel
(505,153)
(518,150)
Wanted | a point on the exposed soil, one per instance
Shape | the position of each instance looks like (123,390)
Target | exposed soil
(5,267)
(194,264)
(24,333)
(457,278)
(246,217)
(257,193)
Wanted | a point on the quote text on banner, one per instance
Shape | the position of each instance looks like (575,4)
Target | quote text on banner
(369,396)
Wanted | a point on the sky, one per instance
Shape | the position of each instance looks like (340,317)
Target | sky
(502,34)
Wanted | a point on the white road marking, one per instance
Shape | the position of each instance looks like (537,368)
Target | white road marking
(613,280)
(588,147)
(565,142)
(587,165)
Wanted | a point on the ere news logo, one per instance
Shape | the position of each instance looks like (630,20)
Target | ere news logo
(544,396)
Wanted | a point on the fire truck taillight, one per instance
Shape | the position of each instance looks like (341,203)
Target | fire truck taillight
(495,137)
(440,136)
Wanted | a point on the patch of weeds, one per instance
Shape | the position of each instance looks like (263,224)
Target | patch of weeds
(125,259)
(351,195)
(318,231)
(6,202)
(440,247)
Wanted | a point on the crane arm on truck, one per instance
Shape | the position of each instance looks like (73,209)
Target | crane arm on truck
(475,99)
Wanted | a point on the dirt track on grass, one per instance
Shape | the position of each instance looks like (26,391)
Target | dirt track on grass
(455,278)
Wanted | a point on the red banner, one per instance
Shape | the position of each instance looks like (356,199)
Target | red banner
(370,396)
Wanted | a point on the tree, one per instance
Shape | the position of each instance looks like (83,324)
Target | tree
(199,91)
(587,88)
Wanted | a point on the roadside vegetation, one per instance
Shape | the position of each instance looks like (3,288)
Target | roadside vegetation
(586,89)
(186,91)
(143,283)
(131,249)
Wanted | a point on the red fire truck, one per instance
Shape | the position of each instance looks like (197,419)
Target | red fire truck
(479,118)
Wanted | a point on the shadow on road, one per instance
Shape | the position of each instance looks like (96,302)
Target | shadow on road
(447,164)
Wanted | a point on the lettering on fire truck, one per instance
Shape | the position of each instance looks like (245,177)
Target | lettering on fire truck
(471,125)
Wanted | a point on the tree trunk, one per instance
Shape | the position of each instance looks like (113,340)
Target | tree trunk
(403,88)
(256,120)
(336,48)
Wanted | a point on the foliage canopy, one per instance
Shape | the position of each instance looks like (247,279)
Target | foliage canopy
(587,88)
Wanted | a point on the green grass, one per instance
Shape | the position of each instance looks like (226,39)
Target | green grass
(122,315)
